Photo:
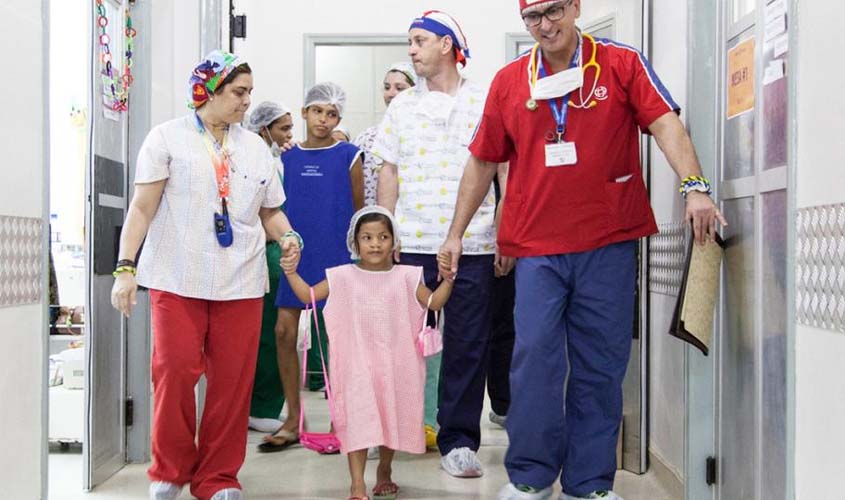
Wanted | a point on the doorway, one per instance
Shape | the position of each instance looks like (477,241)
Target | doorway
(69,84)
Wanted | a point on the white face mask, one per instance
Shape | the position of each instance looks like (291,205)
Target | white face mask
(275,149)
(557,85)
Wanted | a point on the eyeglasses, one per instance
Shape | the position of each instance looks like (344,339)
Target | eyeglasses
(553,14)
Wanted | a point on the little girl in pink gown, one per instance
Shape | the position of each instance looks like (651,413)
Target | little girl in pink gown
(374,311)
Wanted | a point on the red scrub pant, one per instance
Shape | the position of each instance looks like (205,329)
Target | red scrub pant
(192,337)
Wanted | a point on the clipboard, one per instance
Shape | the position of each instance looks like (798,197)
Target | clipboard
(692,320)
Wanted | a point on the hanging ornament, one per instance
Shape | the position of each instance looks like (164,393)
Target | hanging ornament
(117,86)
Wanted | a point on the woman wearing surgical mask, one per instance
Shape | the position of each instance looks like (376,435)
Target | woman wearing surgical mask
(273,122)
(399,77)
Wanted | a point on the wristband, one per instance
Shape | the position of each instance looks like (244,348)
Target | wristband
(695,183)
(124,269)
(295,235)
(125,262)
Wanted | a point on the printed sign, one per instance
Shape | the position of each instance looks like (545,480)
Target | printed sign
(741,78)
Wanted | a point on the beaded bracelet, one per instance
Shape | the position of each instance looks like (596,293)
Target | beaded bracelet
(124,269)
(295,235)
(695,183)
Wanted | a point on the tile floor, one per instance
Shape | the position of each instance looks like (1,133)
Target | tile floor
(298,473)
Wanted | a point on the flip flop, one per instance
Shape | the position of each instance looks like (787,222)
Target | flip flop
(272,444)
(385,491)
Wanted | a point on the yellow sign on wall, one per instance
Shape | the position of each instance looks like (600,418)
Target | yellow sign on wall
(741,78)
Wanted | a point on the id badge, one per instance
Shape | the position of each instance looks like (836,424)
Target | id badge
(561,154)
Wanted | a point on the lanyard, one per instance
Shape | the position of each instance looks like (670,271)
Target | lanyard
(219,159)
(559,106)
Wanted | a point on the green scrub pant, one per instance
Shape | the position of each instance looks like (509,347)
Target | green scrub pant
(267,394)
(432,381)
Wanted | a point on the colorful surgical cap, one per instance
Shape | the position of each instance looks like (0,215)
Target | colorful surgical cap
(442,24)
(207,76)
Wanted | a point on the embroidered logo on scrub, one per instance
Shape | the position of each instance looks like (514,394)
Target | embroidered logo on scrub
(601,93)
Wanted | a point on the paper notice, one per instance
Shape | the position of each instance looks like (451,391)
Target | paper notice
(774,71)
(741,78)
(781,45)
(775,27)
(775,9)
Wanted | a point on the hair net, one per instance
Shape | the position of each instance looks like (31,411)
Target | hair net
(264,114)
(406,69)
(371,209)
(326,93)
(343,130)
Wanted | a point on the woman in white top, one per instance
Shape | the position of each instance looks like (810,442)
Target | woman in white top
(399,77)
(207,197)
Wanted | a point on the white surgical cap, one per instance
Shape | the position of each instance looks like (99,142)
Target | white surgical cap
(406,69)
(371,209)
(343,130)
(264,114)
(326,93)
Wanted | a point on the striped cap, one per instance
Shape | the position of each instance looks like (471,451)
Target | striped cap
(528,5)
(442,24)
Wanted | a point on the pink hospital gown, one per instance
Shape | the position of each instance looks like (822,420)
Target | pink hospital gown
(377,374)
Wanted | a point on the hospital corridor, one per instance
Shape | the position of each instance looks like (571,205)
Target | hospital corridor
(380,250)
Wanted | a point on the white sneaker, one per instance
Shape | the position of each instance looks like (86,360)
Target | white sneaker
(228,494)
(160,490)
(601,495)
(373,453)
(511,492)
(461,462)
(265,425)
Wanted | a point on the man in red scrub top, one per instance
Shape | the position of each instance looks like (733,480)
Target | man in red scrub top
(567,116)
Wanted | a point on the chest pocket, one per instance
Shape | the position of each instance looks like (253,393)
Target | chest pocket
(246,196)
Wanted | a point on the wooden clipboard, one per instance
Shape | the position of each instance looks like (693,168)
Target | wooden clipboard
(692,320)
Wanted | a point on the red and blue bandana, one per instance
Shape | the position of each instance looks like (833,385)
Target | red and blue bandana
(442,24)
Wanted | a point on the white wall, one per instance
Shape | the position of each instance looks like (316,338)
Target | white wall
(820,384)
(274,44)
(22,194)
(667,384)
(175,53)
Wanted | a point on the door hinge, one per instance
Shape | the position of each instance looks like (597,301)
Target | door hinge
(130,412)
(711,471)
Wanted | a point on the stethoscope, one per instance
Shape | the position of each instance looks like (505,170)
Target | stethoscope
(589,102)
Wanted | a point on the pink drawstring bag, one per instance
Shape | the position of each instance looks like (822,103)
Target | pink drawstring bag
(325,443)
(430,340)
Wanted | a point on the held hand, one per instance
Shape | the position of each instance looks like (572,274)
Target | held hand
(703,213)
(290,255)
(448,257)
(123,293)
(502,265)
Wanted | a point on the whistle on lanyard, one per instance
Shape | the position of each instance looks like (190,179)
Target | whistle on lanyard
(223,227)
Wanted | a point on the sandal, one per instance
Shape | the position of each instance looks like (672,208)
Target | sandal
(385,491)
(278,441)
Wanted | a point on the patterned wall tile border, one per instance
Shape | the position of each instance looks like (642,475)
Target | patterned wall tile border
(820,267)
(666,252)
(20,261)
